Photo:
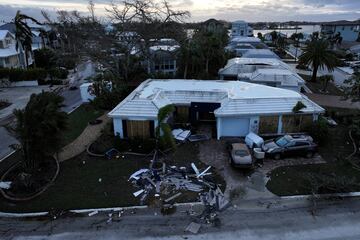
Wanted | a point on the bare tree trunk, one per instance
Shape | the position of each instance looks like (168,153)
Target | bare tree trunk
(314,75)
(207,66)
(186,70)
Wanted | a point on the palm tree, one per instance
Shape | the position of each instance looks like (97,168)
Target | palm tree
(318,55)
(23,33)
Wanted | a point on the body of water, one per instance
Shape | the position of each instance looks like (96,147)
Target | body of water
(308,29)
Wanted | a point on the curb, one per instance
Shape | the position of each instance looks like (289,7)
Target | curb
(8,155)
(343,195)
(114,209)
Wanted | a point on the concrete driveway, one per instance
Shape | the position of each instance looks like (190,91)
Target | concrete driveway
(244,184)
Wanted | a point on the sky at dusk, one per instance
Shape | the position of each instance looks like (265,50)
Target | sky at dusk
(251,11)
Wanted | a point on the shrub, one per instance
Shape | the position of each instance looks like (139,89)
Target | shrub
(298,107)
(58,73)
(318,130)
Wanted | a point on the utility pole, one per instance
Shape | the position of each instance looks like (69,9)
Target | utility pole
(297,43)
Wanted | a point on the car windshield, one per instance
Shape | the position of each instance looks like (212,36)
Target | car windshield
(282,142)
(241,153)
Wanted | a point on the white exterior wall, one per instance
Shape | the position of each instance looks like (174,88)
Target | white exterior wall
(118,127)
(85,95)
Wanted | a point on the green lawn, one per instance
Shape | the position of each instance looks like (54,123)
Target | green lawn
(317,87)
(78,120)
(78,186)
(294,180)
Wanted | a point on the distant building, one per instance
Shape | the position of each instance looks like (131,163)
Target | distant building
(268,36)
(9,56)
(260,53)
(213,25)
(163,57)
(349,31)
(266,71)
(240,45)
(241,29)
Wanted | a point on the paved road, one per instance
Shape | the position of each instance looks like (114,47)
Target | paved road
(73,97)
(274,220)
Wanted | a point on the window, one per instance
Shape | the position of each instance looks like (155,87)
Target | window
(300,144)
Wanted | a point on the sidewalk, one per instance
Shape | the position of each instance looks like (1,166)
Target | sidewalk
(332,101)
(89,135)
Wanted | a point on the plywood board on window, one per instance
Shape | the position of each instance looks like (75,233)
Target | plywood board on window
(268,124)
(138,129)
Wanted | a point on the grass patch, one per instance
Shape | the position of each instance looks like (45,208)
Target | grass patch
(317,87)
(293,180)
(78,186)
(78,120)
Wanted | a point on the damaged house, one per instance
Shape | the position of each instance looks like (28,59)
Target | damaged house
(234,108)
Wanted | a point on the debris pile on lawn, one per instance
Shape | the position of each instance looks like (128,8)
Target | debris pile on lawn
(169,183)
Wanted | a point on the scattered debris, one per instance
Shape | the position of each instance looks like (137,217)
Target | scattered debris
(193,228)
(5,185)
(112,153)
(180,134)
(198,138)
(173,197)
(137,193)
(93,213)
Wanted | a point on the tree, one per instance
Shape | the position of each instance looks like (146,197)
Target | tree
(45,58)
(352,87)
(164,135)
(260,36)
(39,128)
(23,33)
(325,80)
(318,55)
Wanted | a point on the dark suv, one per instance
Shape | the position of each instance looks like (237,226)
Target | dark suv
(290,145)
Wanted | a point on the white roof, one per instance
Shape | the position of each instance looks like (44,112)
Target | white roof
(3,34)
(260,53)
(164,48)
(7,52)
(237,66)
(236,98)
(245,40)
(283,76)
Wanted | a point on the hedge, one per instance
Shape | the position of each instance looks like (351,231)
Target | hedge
(40,74)
(18,74)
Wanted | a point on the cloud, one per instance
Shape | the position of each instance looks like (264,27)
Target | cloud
(255,10)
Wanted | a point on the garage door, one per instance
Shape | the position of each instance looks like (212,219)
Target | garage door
(234,127)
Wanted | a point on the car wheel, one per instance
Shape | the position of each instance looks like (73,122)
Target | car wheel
(309,154)
(277,156)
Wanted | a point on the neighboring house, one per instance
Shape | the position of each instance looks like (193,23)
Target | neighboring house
(38,42)
(234,108)
(240,45)
(260,53)
(213,25)
(267,71)
(236,66)
(349,31)
(9,56)
(241,29)
(280,78)
(356,51)
(268,36)
(163,57)
(36,29)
